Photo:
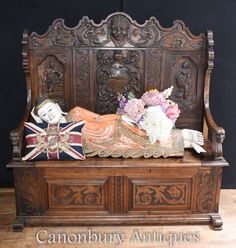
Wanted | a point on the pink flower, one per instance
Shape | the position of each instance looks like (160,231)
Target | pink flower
(173,112)
(134,109)
(152,98)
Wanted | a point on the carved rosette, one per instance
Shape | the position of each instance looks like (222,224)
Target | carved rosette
(160,195)
(76,195)
(117,72)
(206,192)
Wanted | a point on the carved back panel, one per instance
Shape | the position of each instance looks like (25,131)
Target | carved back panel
(89,64)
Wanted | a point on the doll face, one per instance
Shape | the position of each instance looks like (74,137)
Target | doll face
(50,113)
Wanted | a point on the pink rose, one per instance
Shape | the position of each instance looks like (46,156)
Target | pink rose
(161,97)
(152,98)
(173,112)
(134,109)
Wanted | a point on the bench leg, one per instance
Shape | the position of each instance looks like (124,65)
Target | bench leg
(19,224)
(216,222)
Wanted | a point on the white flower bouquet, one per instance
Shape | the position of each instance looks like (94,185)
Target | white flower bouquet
(154,112)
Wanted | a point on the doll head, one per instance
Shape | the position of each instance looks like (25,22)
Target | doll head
(48,110)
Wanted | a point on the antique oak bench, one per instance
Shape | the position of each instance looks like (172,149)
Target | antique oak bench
(86,66)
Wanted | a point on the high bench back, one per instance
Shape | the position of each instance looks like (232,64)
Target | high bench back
(89,64)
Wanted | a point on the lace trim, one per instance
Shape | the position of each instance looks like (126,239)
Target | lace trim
(147,150)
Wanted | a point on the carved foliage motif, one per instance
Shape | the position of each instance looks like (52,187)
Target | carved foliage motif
(158,195)
(57,35)
(89,35)
(179,37)
(26,183)
(83,78)
(76,195)
(206,192)
(178,40)
(173,41)
(117,71)
(51,77)
(116,31)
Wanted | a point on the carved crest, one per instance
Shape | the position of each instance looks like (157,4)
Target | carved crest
(118,30)
(117,72)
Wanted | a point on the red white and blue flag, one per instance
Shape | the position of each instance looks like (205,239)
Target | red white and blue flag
(54,141)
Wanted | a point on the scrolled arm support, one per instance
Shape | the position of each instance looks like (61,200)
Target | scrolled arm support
(217,137)
(217,133)
(16,137)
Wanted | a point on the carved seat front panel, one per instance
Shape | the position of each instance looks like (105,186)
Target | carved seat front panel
(78,194)
(156,190)
(161,194)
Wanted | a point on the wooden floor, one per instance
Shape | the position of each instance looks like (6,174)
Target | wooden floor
(133,236)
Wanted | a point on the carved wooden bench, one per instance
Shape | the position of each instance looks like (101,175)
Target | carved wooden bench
(87,65)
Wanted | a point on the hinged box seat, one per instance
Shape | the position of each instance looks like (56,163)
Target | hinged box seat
(87,66)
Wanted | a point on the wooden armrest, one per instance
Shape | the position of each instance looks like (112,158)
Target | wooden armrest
(217,134)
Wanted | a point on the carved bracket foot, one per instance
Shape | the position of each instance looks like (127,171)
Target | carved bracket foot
(216,222)
(18,225)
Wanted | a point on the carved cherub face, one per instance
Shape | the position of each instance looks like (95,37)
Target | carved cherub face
(119,29)
(50,112)
(118,56)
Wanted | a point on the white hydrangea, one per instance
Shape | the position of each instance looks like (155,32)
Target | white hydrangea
(167,92)
(156,124)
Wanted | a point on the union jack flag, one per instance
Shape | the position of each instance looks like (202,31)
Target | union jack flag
(53,141)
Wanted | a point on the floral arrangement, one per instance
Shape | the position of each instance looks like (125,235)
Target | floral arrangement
(154,112)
